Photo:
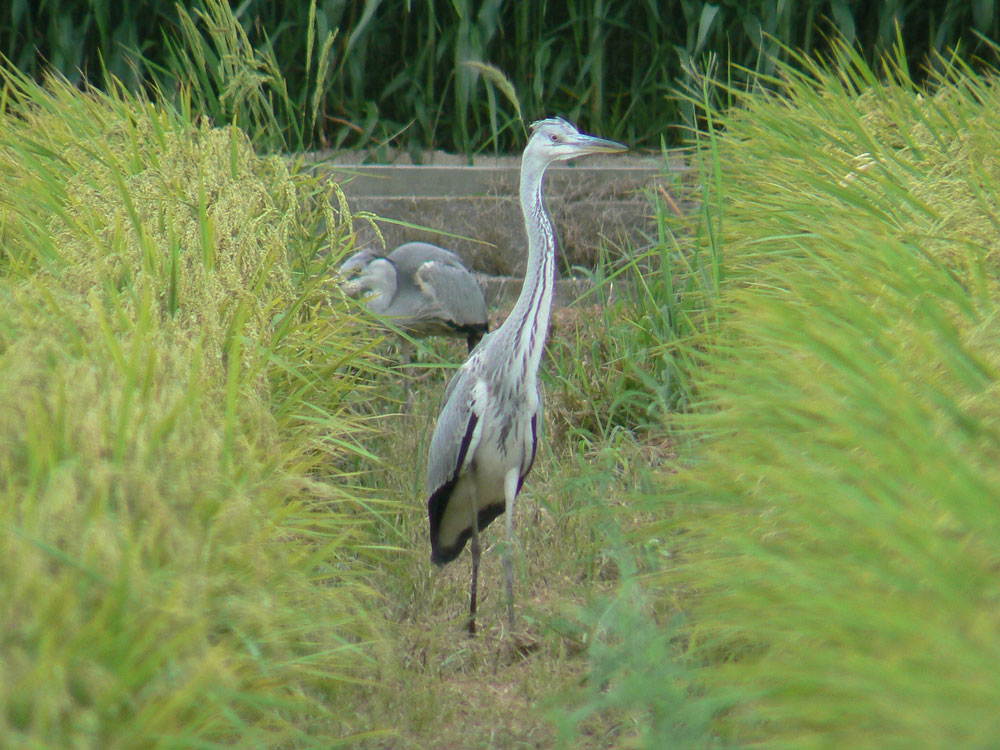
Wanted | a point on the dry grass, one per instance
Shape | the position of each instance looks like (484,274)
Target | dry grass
(500,689)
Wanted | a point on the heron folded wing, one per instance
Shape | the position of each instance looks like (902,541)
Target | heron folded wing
(456,439)
(437,504)
(531,457)
(411,255)
(456,293)
(447,456)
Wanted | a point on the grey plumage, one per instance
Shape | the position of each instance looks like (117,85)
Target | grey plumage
(486,436)
(423,289)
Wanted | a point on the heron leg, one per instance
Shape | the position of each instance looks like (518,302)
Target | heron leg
(510,492)
(475,550)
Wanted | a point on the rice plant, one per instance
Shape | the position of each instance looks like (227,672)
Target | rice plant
(837,566)
(181,558)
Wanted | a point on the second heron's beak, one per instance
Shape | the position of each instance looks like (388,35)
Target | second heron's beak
(350,287)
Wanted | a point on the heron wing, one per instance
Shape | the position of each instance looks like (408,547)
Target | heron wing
(455,436)
(536,424)
(411,255)
(455,293)
(456,439)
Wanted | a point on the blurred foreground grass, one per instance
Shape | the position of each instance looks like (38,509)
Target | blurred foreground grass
(839,511)
(178,563)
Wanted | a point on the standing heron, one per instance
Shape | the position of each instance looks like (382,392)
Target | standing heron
(423,289)
(487,433)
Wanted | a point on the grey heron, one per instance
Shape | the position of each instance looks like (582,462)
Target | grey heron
(487,432)
(423,289)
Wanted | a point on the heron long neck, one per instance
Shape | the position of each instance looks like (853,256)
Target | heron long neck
(383,287)
(530,316)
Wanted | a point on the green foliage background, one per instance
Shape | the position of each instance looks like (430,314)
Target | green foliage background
(399,66)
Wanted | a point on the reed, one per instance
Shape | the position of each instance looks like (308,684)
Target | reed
(401,72)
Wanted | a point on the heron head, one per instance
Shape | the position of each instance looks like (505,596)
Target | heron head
(555,139)
(371,277)
(356,262)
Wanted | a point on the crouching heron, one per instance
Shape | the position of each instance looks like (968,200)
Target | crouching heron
(487,433)
(423,289)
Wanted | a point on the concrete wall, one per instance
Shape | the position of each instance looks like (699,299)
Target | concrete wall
(599,200)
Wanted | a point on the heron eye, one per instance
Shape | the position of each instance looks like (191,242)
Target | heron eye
(554,138)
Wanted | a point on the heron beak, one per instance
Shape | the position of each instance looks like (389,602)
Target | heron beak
(592,145)
(350,288)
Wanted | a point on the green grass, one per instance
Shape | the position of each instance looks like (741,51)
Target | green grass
(632,370)
(214,70)
(838,559)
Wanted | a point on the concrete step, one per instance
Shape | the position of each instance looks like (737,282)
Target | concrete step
(501,291)
(474,209)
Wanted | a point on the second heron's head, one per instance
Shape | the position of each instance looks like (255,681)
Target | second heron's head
(555,139)
(372,276)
